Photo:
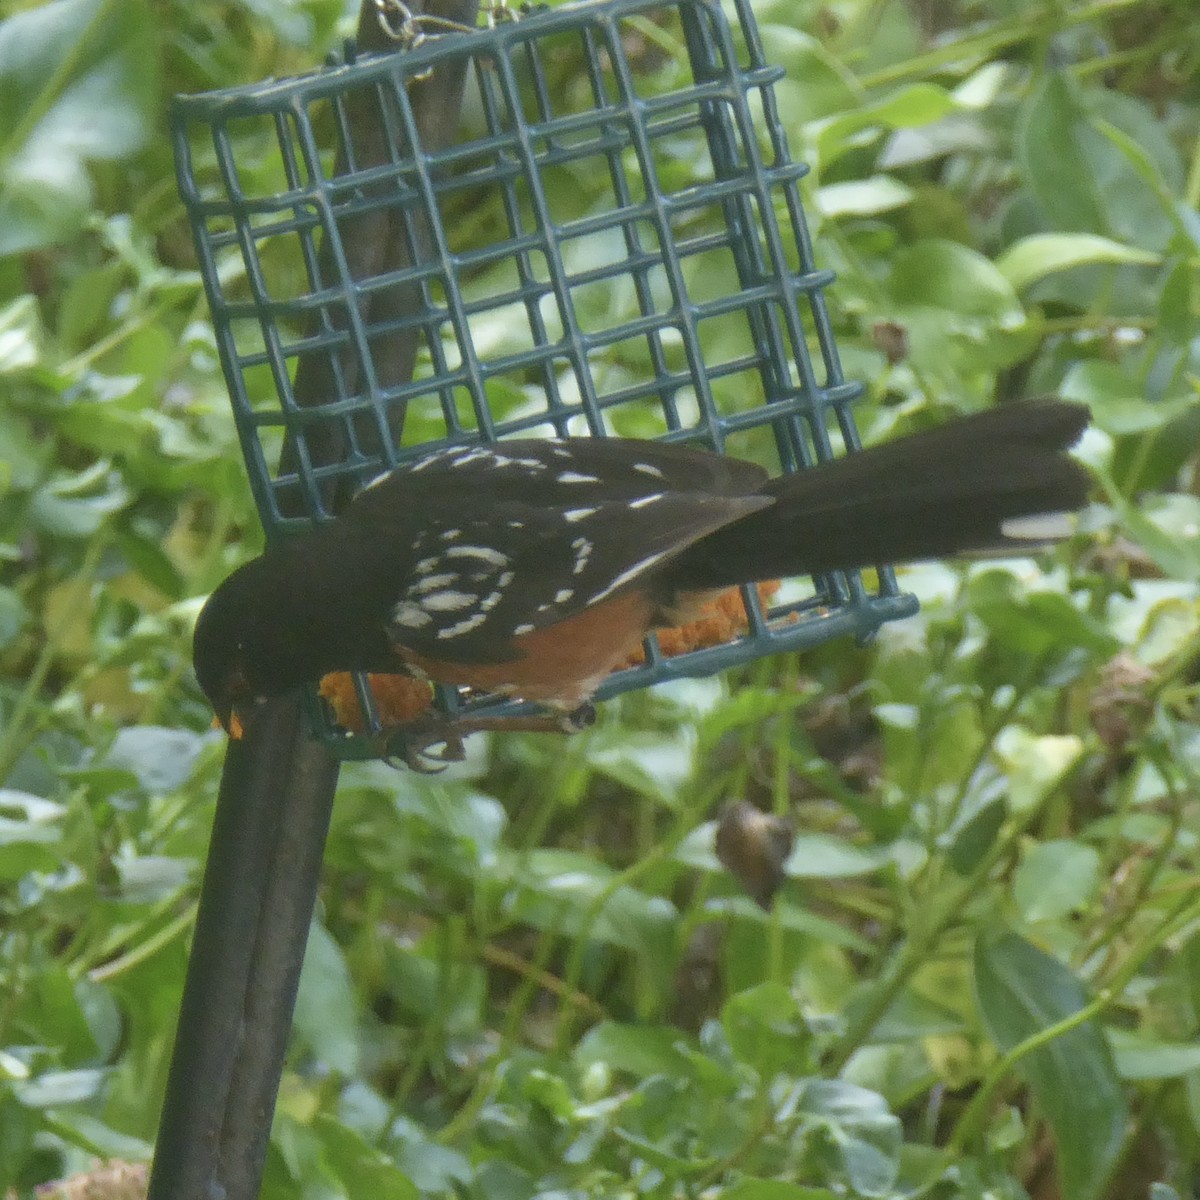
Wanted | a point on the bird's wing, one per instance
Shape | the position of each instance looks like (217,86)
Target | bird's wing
(474,586)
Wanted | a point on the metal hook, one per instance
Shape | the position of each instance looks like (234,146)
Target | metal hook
(411,29)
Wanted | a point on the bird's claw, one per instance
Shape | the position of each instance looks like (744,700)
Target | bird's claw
(578,719)
(411,744)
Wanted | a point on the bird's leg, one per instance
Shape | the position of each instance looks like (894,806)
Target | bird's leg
(434,728)
(574,721)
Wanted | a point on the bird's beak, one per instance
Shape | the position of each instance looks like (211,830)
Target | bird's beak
(235,694)
(228,720)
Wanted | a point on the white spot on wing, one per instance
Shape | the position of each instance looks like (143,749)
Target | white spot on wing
(410,615)
(464,458)
(648,469)
(642,501)
(487,553)
(521,629)
(493,457)
(431,583)
(563,595)
(576,477)
(578,514)
(583,549)
(625,576)
(1042,527)
(464,626)
(420,464)
(449,601)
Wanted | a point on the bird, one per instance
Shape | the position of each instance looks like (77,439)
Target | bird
(532,567)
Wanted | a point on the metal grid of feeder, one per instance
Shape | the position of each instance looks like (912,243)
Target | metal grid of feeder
(448,295)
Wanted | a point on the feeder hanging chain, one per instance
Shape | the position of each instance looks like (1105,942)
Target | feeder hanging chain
(410,29)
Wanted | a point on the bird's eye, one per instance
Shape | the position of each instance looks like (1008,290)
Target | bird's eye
(237,686)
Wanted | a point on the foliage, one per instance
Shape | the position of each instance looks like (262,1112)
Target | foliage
(529,976)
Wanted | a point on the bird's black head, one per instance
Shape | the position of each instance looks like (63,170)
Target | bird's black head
(288,617)
(223,649)
(255,638)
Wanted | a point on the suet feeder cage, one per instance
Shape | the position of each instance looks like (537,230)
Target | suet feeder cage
(613,242)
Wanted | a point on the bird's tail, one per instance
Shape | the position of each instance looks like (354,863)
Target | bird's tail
(961,488)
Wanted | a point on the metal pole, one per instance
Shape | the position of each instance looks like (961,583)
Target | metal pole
(264,862)
(256,904)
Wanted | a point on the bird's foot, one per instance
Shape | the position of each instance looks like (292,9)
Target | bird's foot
(413,744)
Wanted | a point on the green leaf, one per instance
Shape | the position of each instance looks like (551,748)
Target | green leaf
(326,1010)
(911,1017)
(863,197)
(148,558)
(161,759)
(640,1051)
(766,1029)
(34,810)
(573,893)
(29,838)
(23,456)
(971,839)
(1118,401)
(14,616)
(1056,878)
(909,108)
(431,989)
(817,84)
(1050,146)
(77,84)
(913,105)
(1160,1191)
(1034,763)
(1022,991)
(862,1135)
(1032,623)
(1139,1057)
(432,1168)
(1035,257)
(100,1138)
(962,317)
(1177,307)
(1165,528)
(824,856)
(941,274)
(774,1189)
(54,1088)
(18,1129)
(1140,172)
(151,878)
(789,918)
(361,1167)
(52,1004)
(1099,162)
(20,335)
(76,505)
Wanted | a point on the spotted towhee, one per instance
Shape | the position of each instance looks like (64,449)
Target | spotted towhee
(532,568)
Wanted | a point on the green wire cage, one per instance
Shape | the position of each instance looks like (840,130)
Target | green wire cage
(377,291)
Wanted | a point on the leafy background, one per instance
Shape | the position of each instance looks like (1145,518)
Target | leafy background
(530,976)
